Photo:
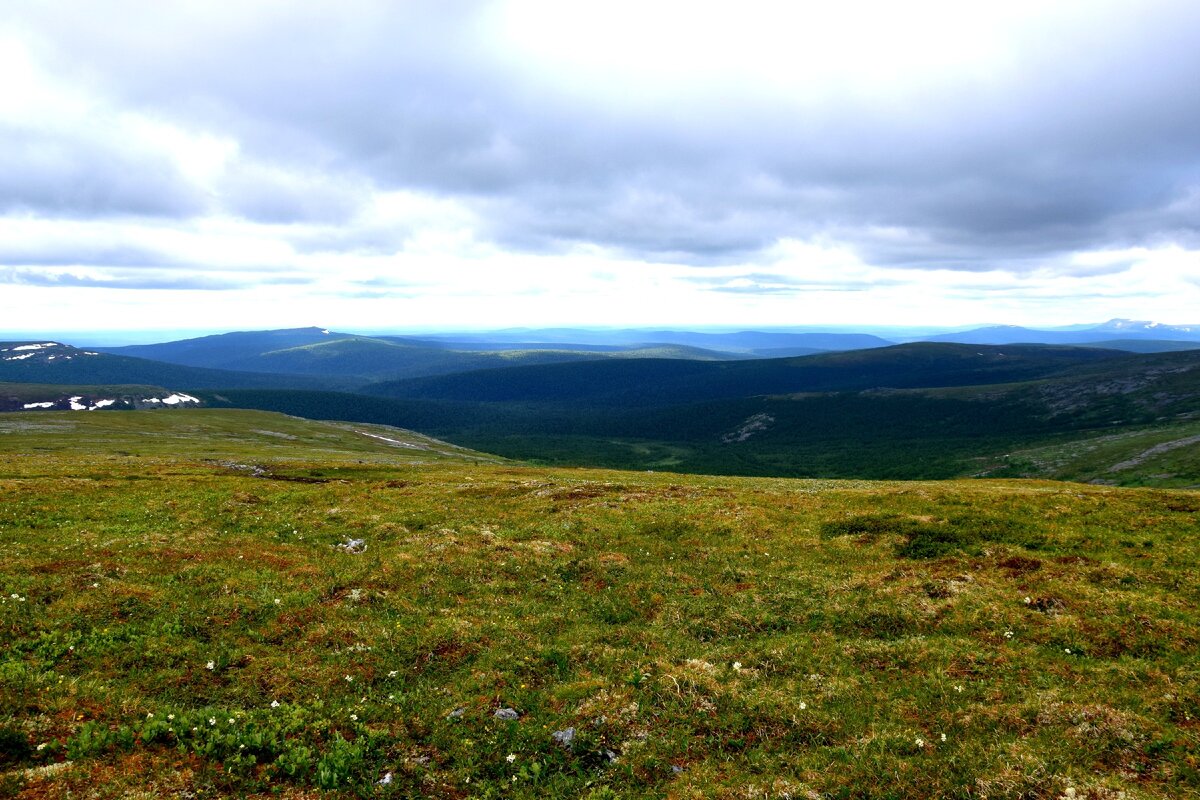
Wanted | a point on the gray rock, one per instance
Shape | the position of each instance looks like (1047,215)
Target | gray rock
(506,714)
(564,737)
(352,546)
(457,713)
(386,780)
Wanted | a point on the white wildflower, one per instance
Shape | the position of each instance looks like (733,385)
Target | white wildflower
(211,665)
(511,757)
(919,742)
(274,704)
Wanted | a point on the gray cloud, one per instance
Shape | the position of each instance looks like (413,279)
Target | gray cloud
(1091,140)
(84,174)
(140,279)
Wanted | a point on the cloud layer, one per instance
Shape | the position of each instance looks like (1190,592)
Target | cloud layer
(739,154)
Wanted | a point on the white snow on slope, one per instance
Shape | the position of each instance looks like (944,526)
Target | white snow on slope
(38,405)
(173,400)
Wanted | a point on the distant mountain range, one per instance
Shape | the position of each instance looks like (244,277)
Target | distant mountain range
(1113,332)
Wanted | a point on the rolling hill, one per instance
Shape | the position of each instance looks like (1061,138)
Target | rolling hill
(62,364)
(351,359)
(667,382)
(927,411)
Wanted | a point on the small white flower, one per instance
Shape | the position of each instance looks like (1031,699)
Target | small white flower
(277,601)
(241,747)
(1067,650)
(1008,634)
(212,720)
(391,697)
(943,737)
(1028,600)
(149,715)
(15,596)
(170,716)
(393,674)
(919,742)
(231,720)
(511,757)
(803,705)
(95,586)
(211,665)
(354,717)
(349,679)
(737,666)
(41,746)
(958,689)
(274,704)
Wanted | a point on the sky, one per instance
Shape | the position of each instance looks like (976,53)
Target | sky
(457,164)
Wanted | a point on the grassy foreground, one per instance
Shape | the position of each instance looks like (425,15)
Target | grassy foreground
(178,620)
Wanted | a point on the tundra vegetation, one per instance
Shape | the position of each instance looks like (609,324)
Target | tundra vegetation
(217,602)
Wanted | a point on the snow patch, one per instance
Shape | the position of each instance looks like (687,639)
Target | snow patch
(35,346)
(38,405)
(101,404)
(173,400)
(179,397)
(75,404)
(396,442)
(19,358)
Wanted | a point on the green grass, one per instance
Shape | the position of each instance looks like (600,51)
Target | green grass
(1167,456)
(705,637)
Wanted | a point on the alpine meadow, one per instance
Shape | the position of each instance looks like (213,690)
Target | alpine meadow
(617,401)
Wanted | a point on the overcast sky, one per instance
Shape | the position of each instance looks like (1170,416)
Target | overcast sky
(488,164)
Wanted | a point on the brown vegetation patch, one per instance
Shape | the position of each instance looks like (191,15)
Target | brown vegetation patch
(1020,565)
